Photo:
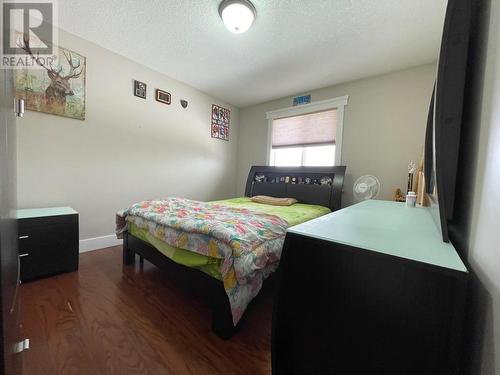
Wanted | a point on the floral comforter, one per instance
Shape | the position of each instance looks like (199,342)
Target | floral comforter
(248,242)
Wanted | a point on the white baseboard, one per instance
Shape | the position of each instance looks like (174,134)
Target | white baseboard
(90,244)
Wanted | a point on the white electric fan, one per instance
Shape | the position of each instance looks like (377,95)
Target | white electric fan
(366,187)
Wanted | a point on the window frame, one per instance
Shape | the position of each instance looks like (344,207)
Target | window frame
(323,105)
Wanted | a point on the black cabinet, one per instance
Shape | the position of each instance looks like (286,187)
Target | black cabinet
(48,242)
(370,289)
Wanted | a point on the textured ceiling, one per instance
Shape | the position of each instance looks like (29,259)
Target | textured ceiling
(294,45)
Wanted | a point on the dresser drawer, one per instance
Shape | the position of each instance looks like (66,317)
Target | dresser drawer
(48,245)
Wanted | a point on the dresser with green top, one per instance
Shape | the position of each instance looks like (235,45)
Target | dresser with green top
(369,289)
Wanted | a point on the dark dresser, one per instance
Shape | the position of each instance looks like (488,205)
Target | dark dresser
(48,241)
(370,289)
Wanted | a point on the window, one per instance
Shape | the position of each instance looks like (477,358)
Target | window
(303,156)
(309,135)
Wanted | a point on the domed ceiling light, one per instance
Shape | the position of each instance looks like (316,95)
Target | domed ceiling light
(237,15)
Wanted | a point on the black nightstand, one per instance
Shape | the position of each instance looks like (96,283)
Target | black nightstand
(48,241)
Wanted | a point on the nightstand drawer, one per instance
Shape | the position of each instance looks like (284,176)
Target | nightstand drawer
(48,245)
(52,261)
(37,226)
(38,238)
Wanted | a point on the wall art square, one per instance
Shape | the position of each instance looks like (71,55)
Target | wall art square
(163,97)
(140,89)
(56,87)
(220,122)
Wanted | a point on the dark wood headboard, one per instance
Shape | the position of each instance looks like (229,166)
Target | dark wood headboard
(311,185)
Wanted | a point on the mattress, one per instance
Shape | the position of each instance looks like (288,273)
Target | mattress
(207,264)
(295,214)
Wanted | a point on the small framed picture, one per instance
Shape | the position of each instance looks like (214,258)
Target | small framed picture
(220,122)
(140,89)
(163,97)
(303,99)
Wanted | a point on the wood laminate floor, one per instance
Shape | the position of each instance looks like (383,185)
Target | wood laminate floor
(113,319)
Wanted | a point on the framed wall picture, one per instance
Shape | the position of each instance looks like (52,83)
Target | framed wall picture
(140,89)
(163,97)
(303,99)
(58,88)
(220,122)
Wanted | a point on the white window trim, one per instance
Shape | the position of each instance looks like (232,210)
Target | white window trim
(322,105)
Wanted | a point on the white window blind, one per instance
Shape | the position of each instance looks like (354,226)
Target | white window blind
(312,129)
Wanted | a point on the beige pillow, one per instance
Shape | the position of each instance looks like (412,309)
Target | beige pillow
(273,200)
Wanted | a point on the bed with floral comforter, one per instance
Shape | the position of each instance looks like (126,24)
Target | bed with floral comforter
(244,237)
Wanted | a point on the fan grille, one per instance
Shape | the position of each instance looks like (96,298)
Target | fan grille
(366,187)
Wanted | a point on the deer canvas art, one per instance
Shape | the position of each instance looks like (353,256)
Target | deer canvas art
(56,86)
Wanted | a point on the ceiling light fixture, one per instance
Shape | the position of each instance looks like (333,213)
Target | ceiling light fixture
(237,15)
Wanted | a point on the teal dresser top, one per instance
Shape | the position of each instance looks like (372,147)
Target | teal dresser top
(44,212)
(386,227)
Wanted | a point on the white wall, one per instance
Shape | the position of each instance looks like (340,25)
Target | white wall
(128,149)
(384,127)
(484,242)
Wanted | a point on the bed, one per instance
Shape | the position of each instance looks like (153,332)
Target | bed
(221,272)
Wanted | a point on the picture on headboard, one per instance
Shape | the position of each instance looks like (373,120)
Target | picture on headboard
(325,180)
(260,178)
(293,179)
(220,122)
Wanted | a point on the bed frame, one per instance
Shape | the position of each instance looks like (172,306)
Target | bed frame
(261,181)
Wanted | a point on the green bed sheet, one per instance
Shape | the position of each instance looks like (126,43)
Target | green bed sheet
(294,214)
